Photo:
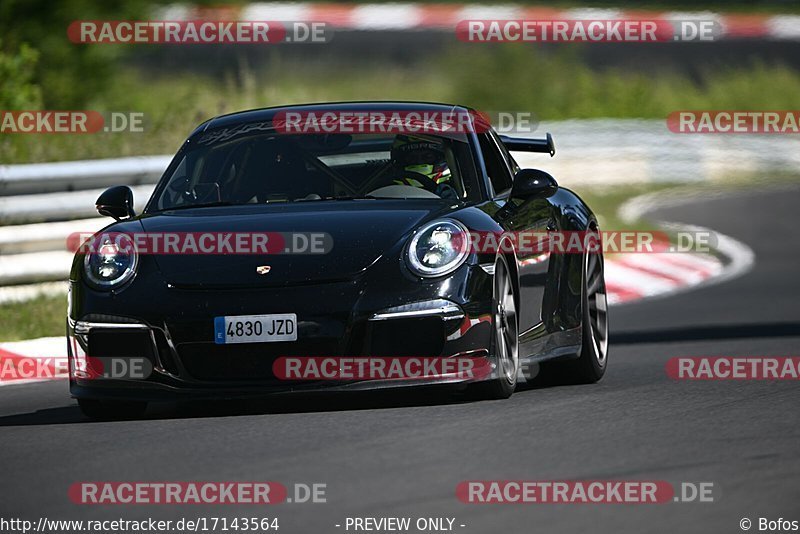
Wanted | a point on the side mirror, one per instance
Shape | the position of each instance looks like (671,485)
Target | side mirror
(116,202)
(533,183)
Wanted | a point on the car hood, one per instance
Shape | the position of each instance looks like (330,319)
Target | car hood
(360,232)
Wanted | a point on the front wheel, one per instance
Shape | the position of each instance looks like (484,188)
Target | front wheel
(505,340)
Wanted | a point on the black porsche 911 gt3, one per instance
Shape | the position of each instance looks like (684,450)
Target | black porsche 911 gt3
(387,211)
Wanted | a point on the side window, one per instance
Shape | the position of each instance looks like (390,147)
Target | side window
(512,164)
(171,195)
(495,166)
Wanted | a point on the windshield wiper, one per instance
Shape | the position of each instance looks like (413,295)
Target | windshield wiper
(354,197)
(202,205)
(344,197)
(282,201)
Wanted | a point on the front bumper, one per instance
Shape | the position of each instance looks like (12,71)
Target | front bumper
(173,335)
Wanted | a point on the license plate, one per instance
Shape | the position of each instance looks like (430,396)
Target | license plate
(255,328)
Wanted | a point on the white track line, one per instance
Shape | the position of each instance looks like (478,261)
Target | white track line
(738,257)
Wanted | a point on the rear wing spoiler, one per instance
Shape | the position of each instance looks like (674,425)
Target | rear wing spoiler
(517,144)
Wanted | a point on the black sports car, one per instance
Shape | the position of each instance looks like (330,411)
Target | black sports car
(389,213)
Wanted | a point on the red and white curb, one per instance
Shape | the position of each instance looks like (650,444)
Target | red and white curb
(660,274)
(631,277)
(25,362)
(419,16)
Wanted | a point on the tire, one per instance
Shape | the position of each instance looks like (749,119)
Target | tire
(593,360)
(111,410)
(505,340)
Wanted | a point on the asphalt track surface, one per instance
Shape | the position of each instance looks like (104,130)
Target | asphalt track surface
(401,455)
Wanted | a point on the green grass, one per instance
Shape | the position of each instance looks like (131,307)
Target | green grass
(41,317)
(553,86)
(560,86)
(605,202)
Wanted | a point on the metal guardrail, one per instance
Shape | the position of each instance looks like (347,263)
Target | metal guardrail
(61,206)
(53,196)
(78,175)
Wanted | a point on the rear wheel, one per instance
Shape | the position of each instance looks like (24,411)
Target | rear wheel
(591,365)
(109,410)
(505,341)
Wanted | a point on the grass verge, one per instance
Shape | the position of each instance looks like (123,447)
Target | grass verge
(553,86)
(41,317)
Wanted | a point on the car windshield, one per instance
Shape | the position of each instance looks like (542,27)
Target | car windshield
(260,165)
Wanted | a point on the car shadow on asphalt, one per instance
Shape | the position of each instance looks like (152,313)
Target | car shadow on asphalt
(294,403)
(706,333)
(278,404)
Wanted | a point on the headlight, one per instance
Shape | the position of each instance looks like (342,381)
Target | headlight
(107,266)
(438,248)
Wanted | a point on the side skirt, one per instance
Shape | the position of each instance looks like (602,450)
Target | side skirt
(557,345)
